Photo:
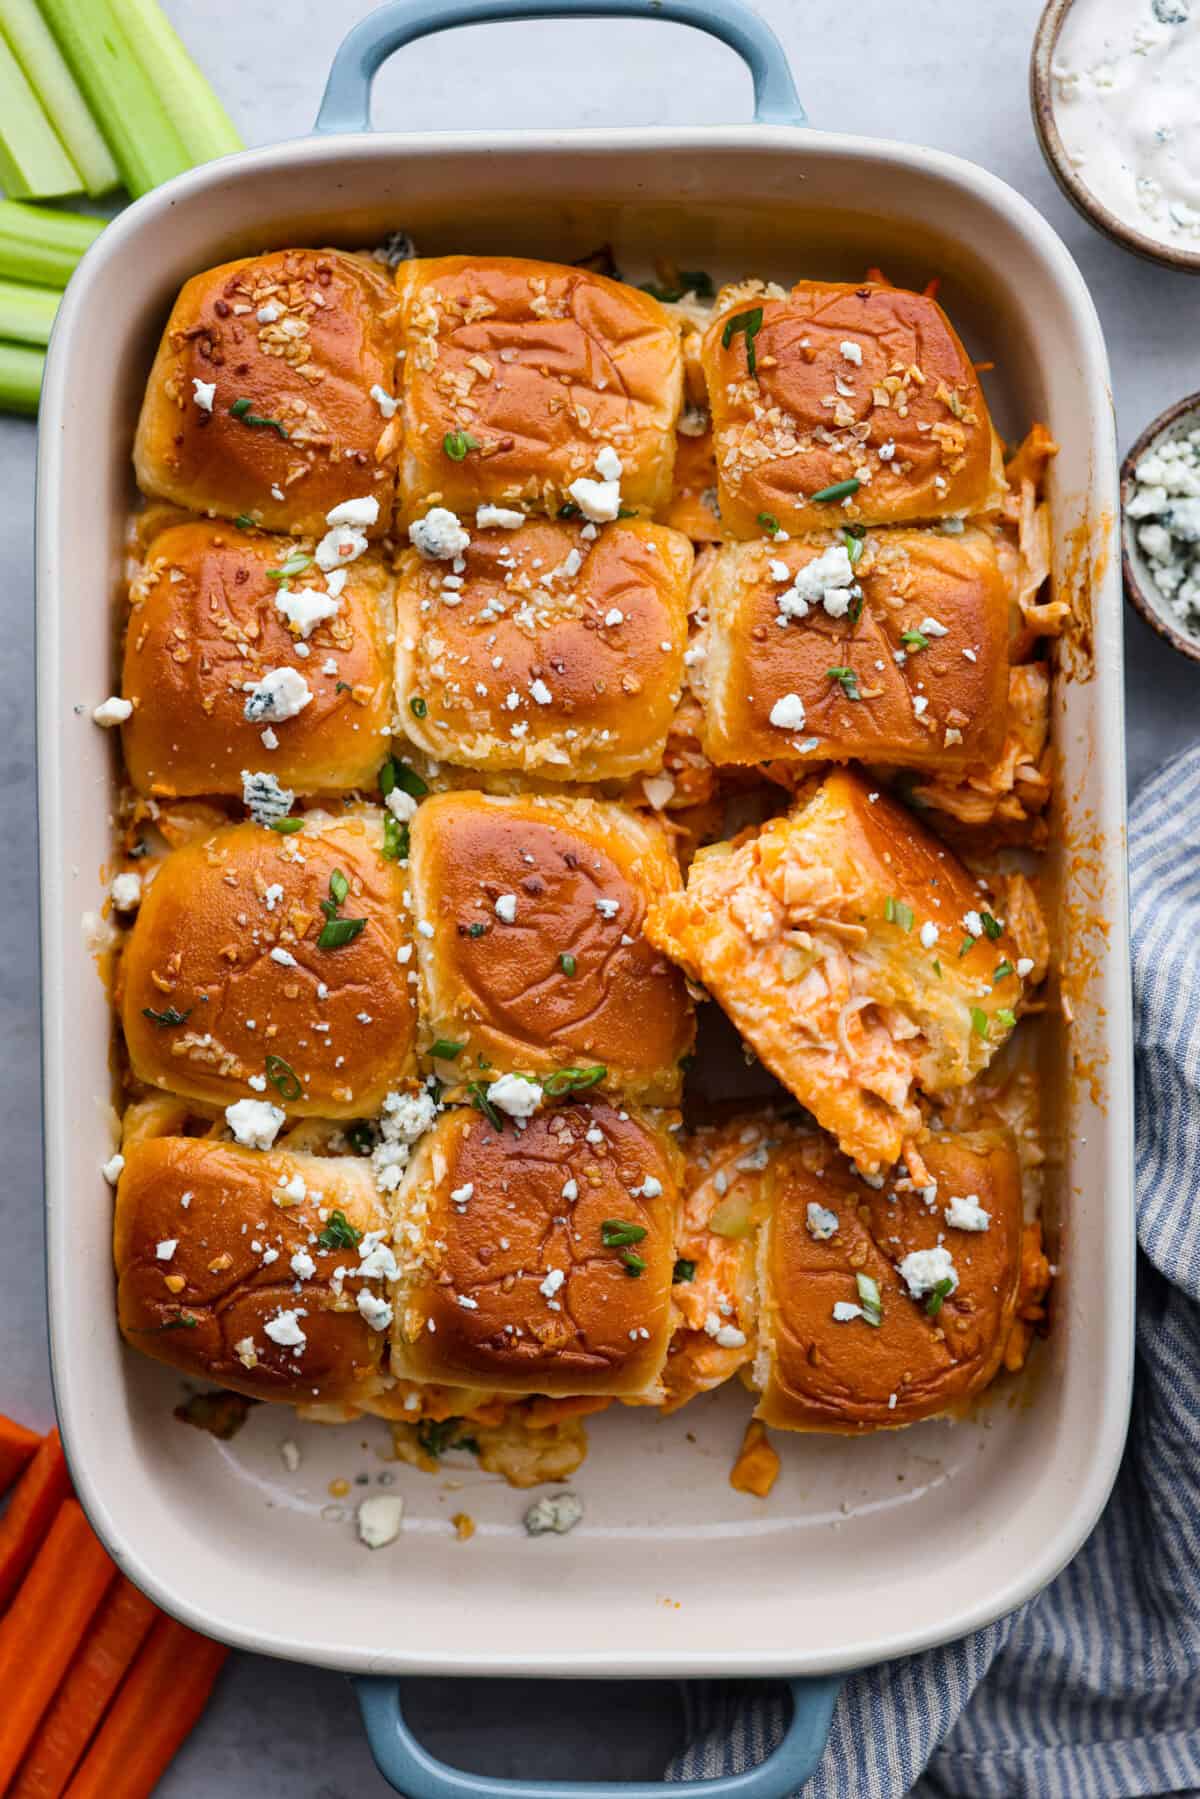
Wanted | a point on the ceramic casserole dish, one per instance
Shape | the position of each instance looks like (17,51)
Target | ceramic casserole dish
(866,1549)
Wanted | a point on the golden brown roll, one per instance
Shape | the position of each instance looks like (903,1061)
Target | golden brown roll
(210,617)
(856,956)
(274,970)
(557,651)
(517,374)
(884,1305)
(530,915)
(836,383)
(243,1268)
(272,394)
(889,648)
(546,1253)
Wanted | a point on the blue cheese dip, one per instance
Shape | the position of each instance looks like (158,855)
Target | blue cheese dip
(1126,97)
(1165,505)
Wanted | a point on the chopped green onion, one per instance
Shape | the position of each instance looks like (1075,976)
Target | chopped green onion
(170,1016)
(979,1021)
(634,1263)
(914,640)
(477,929)
(967,945)
(287,827)
(1003,970)
(339,887)
(436,1435)
(417,706)
(123,99)
(339,1233)
(691,281)
(567,963)
(457,443)
(33,163)
(296,564)
(21,368)
(942,1291)
(244,522)
(897,912)
(841,490)
(41,244)
(854,610)
(361,1137)
(870,1299)
(749,324)
(446,1049)
(573,1080)
(627,512)
(283,1078)
(769,522)
(338,931)
(478,1096)
(240,410)
(684,1270)
(568,509)
(395,839)
(937,968)
(203,124)
(854,546)
(395,773)
(615,1233)
(1005,1017)
(847,680)
(991,926)
(30,40)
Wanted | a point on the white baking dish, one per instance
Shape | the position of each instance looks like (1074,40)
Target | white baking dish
(865,1549)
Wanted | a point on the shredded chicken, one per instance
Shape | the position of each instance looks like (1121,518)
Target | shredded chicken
(1016,789)
(757,1467)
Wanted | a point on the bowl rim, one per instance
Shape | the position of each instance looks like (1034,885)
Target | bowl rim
(1135,587)
(1041,101)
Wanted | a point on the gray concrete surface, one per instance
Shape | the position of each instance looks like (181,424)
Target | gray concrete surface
(881,67)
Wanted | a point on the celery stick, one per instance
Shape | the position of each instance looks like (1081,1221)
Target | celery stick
(38,243)
(27,313)
(145,144)
(199,117)
(33,163)
(20,377)
(31,43)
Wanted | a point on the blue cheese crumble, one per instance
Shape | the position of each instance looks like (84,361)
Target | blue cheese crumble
(1165,505)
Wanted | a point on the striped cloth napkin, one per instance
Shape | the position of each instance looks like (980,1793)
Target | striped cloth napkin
(1092,1689)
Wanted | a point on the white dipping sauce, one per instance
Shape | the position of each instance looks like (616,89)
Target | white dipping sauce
(1126,96)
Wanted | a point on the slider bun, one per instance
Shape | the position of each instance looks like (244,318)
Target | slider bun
(205,1308)
(477,1311)
(818,1374)
(906,578)
(542,364)
(802,933)
(204,624)
(312,369)
(612,687)
(504,992)
(200,947)
(812,417)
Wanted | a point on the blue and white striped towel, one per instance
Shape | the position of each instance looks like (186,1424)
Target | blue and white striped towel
(1092,1689)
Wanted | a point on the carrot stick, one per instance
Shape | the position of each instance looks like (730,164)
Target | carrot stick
(117,1633)
(44,1627)
(17,1446)
(40,1491)
(159,1701)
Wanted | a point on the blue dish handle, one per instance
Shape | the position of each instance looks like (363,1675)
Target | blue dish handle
(346,105)
(418,1775)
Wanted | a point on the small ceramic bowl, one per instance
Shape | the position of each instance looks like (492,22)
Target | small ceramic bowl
(1140,588)
(1041,98)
